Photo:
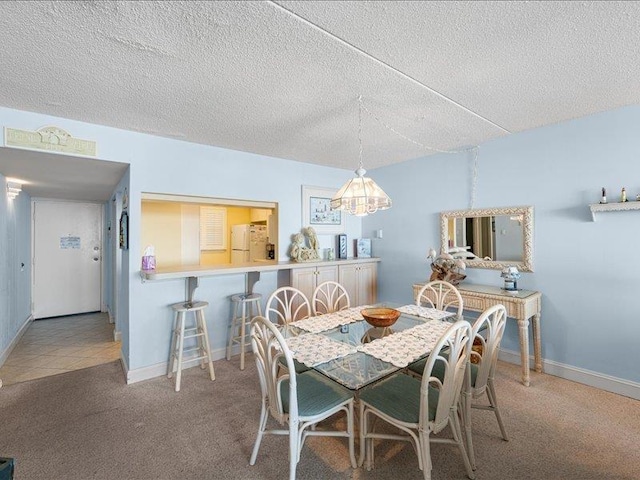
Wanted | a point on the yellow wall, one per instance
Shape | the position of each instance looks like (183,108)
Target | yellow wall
(161,226)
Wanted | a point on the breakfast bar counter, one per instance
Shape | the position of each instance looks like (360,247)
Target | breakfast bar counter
(357,273)
(185,271)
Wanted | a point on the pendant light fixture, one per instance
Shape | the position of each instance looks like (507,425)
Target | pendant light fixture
(360,196)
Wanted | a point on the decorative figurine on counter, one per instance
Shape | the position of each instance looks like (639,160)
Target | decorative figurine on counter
(296,246)
(310,233)
(623,195)
(299,251)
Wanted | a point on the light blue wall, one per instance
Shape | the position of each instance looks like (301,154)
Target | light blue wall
(162,165)
(15,279)
(587,272)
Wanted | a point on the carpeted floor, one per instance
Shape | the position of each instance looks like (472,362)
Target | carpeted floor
(88,424)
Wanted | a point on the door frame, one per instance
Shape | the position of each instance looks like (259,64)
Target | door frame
(116,265)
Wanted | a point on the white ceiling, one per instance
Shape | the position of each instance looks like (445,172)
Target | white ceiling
(283,78)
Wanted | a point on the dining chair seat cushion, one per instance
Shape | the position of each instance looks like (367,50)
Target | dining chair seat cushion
(300,367)
(438,369)
(316,394)
(399,397)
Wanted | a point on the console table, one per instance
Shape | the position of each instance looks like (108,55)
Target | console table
(521,305)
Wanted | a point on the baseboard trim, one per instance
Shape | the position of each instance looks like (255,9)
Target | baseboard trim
(160,369)
(7,351)
(125,367)
(580,375)
(117,336)
(112,319)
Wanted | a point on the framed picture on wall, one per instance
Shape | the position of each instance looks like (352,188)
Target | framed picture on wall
(124,231)
(317,213)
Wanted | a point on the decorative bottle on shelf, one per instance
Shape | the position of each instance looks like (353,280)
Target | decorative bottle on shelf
(604,196)
(623,195)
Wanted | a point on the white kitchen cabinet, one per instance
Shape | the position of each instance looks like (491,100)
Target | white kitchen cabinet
(260,214)
(307,279)
(361,282)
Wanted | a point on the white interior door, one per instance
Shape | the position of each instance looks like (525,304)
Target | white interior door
(67,258)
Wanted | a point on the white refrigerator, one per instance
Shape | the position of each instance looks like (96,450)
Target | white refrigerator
(248,243)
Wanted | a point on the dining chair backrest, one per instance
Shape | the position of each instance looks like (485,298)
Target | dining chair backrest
(440,295)
(268,347)
(487,334)
(286,305)
(329,297)
(449,356)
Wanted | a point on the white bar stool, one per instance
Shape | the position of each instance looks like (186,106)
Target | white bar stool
(181,333)
(245,307)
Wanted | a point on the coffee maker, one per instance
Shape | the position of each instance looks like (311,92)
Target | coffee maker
(271,251)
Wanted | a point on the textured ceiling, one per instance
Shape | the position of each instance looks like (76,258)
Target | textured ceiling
(283,79)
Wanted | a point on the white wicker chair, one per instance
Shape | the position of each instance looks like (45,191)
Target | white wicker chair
(329,297)
(487,334)
(298,401)
(286,305)
(421,407)
(441,295)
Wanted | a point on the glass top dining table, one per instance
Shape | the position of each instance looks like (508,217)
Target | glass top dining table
(359,369)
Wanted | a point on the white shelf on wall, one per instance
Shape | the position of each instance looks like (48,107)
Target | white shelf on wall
(612,207)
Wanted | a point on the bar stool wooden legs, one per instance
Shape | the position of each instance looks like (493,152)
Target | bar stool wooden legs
(181,332)
(245,307)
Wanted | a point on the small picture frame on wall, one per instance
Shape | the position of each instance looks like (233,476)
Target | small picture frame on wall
(124,231)
(363,248)
(317,212)
(341,246)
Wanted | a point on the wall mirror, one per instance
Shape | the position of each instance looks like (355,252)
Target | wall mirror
(490,238)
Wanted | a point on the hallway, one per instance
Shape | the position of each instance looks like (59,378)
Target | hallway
(60,345)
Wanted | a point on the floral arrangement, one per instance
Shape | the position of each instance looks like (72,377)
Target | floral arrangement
(446,267)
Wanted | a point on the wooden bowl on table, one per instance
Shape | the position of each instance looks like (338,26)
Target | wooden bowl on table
(381,317)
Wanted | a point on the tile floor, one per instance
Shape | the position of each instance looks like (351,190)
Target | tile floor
(60,345)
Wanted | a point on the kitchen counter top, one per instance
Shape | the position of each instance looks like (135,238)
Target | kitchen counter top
(186,271)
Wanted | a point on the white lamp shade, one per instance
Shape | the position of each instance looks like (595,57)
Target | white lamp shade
(360,196)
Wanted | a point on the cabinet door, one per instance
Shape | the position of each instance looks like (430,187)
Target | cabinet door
(260,214)
(361,282)
(348,279)
(326,274)
(367,283)
(304,279)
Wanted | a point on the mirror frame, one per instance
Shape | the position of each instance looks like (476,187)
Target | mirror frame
(526,265)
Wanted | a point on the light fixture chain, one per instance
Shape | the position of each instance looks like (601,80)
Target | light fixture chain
(474,178)
(360,131)
(475,149)
(388,127)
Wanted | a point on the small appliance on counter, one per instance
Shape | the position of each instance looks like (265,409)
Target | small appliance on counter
(271,251)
